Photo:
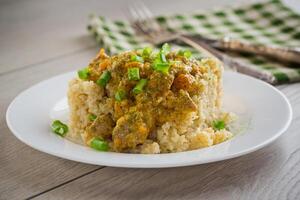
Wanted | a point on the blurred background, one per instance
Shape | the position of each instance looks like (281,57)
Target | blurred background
(52,28)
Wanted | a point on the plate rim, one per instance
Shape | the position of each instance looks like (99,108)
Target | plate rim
(156,165)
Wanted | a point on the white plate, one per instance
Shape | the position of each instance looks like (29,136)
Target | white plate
(264,114)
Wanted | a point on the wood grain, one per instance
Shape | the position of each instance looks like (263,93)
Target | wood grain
(34,31)
(270,173)
(24,171)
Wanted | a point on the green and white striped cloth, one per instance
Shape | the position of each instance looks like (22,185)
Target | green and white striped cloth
(268,23)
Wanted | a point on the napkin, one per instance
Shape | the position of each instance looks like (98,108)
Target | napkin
(269,23)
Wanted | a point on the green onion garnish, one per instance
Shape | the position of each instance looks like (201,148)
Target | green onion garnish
(161,63)
(165,49)
(92,117)
(137,58)
(99,144)
(147,51)
(104,78)
(120,95)
(59,128)
(162,67)
(139,86)
(185,53)
(163,57)
(133,74)
(219,125)
(83,73)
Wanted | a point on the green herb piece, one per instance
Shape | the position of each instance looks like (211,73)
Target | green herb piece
(139,86)
(147,51)
(219,125)
(99,144)
(165,49)
(162,67)
(163,58)
(133,73)
(137,58)
(92,117)
(83,73)
(104,78)
(120,95)
(59,128)
(161,63)
(185,53)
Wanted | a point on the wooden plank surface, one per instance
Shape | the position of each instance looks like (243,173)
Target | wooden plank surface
(40,39)
(34,31)
(24,171)
(270,173)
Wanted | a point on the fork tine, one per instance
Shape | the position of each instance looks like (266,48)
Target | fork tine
(136,19)
(133,15)
(149,16)
(144,23)
(139,17)
(144,19)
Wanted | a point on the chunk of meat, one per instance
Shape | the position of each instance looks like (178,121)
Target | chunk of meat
(187,82)
(181,101)
(101,127)
(120,108)
(98,65)
(183,81)
(104,64)
(184,103)
(177,107)
(160,83)
(131,130)
(133,64)
(102,54)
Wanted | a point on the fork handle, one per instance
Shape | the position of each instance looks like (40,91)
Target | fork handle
(200,46)
(285,54)
(225,59)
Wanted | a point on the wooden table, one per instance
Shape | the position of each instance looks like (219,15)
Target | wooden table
(40,39)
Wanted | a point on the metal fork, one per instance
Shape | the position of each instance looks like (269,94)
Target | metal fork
(145,24)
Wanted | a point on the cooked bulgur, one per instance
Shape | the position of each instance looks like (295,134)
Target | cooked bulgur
(149,102)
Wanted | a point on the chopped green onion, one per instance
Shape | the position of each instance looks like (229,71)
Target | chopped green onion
(92,117)
(104,78)
(165,49)
(139,86)
(83,73)
(133,73)
(163,57)
(147,51)
(185,53)
(59,128)
(219,125)
(161,63)
(137,58)
(162,67)
(99,144)
(120,95)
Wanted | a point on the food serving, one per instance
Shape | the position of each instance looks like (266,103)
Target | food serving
(148,102)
